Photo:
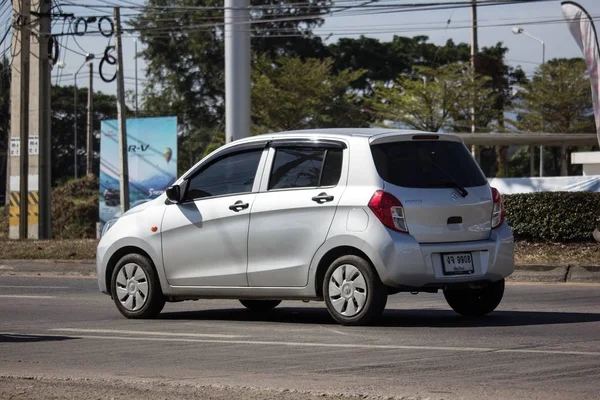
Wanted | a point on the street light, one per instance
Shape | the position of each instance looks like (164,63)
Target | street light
(521,31)
(88,58)
(135,41)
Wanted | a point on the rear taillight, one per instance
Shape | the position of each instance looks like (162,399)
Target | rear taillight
(389,210)
(498,212)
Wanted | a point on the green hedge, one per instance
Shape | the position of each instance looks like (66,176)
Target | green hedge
(553,216)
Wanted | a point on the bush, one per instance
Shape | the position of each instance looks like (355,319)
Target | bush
(75,209)
(553,216)
(3,222)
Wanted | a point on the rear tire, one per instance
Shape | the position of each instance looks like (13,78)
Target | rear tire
(476,303)
(135,288)
(353,292)
(260,305)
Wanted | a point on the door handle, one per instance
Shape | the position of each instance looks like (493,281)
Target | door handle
(238,206)
(322,198)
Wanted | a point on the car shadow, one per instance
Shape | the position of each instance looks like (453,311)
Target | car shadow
(390,318)
(16,338)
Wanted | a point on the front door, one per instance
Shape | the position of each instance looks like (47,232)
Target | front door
(205,238)
(292,214)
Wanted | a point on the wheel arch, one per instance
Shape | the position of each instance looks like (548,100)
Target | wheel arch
(329,257)
(117,255)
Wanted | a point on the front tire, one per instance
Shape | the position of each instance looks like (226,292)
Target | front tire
(476,303)
(260,305)
(353,292)
(135,288)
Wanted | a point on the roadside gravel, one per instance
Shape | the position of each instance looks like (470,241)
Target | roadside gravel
(31,388)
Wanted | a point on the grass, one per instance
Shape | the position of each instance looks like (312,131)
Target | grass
(560,253)
(66,249)
(85,249)
(82,249)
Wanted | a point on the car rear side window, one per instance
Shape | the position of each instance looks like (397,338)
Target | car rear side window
(332,169)
(231,174)
(426,164)
(297,167)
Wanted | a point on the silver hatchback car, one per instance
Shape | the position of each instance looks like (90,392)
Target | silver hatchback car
(348,216)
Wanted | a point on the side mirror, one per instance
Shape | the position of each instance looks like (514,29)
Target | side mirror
(174,194)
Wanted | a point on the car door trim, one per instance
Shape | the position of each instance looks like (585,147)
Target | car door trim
(319,143)
(234,149)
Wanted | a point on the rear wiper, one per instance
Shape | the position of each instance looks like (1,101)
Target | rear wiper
(453,184)
(463,192)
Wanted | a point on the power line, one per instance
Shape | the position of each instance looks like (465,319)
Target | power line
(339,31)
(460,3)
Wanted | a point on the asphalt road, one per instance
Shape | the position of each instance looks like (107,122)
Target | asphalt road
(542,343)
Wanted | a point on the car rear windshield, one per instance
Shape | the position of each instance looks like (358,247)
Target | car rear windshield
(427,164)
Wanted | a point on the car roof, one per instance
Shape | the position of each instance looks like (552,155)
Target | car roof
(337,132)
(370,134)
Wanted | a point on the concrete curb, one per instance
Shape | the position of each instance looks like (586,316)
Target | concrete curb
(550,273)
(540,273)
(557,273)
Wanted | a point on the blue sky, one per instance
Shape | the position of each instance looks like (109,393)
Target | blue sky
(523,50)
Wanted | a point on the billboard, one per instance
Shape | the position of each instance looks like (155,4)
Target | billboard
(152,156)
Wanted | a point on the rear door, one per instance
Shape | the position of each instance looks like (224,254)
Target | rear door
(425,174)
(291,216)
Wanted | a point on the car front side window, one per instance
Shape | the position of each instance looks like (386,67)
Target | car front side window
(231,174)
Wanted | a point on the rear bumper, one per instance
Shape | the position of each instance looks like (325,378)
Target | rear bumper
(403,262)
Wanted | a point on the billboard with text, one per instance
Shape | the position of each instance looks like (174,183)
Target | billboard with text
(152,156)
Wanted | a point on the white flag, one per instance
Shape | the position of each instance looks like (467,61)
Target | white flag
(583,30)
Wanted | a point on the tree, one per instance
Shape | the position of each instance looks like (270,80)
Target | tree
(185,54)
(432,100)
(556,100)
(503,79)
(63,114)
(290,93)
(384,61)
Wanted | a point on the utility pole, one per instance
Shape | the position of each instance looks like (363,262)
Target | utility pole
(19,136)
(474,62)
(237,69)
(136,78)
(45,143)
(90,122)
(75,125)
(37,147)
(124,173)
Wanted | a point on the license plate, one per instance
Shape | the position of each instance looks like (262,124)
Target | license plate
(457,263)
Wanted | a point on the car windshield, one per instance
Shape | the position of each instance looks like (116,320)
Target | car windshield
(427,164)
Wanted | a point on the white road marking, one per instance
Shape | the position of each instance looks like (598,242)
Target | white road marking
(18,296)
(148,333)
(336,331)
(341,345)
(566,352)
(306,344)
(290,344)
(33,287)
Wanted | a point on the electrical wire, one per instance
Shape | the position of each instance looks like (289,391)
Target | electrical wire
(302,18)
(71,50)
(341,31)
(303,5)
